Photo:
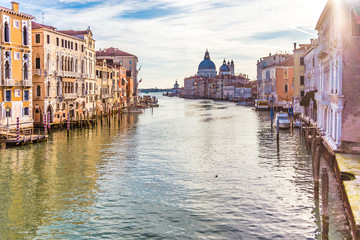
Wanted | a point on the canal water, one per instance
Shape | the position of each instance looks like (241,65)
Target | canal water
(190,169)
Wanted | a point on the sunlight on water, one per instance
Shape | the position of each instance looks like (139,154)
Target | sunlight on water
(190,169)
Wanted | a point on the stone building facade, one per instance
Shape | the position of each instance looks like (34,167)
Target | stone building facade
(15,71)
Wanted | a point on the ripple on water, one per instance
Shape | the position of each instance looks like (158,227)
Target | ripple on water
(153,176)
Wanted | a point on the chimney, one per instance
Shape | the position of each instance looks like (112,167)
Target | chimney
(15,6)
(295,46)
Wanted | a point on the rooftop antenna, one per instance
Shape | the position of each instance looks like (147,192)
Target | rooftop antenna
(42,17)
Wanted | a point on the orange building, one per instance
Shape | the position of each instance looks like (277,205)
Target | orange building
(16,64)
(278,80)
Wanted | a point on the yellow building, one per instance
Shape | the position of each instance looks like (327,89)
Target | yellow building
(16,64)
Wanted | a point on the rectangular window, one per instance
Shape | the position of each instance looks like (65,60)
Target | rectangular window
(66,43)
(72,45)
(48,39)
(286,89)
(26,95)
(302,81)
(268,74)
(37,38)
(17,93)
(16,55)
(37,63)
(26,111)
(8,95)
(130,62)
(62,42)
(285,74)
(75,46)
(302,61)
(82,48)
(57,41)
(302,93)
(16,24)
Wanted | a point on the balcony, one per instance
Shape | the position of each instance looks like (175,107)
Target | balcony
(27,83)
(70,95)
(106,96)
(37,72)
(69,74)
(9,82)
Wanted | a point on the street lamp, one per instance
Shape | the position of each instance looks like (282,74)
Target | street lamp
(8,109)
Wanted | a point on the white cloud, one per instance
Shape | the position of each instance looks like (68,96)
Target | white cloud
(172,46)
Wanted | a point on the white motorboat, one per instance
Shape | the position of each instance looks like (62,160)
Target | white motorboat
(284,122)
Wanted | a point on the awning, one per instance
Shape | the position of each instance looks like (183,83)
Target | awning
(305,101)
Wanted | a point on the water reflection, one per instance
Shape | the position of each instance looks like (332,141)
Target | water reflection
(153,176)
(47,184)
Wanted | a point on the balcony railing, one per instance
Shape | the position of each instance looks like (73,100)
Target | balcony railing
(37,72)
(69,74)
(9,82)
(70,95)
(27,83)
(106,95)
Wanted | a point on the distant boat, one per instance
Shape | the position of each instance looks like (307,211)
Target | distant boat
(284,122)
(241,104)
(134,111)
(261,105)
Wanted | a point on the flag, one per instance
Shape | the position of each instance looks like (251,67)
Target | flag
(356,14)
(140,80)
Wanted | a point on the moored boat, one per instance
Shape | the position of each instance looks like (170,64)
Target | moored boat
(283,119)
(261,105)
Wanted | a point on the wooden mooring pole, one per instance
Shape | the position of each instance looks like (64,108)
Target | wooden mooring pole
(325,203)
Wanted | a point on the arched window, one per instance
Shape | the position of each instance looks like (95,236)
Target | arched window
(57,63)
(38,91)
(25,69)
(6,32)
(25,36)
(76,65)
(58,89)
(7,70)
(62,63)
(48,90)
(48,62)
(82,66)
(76,88)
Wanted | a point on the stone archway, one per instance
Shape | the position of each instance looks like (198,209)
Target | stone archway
(37,114)
(50,110)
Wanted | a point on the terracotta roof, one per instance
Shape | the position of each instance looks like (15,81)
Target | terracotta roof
(286,63)
(74,33)
(113,52)
(35,25)
(16,13)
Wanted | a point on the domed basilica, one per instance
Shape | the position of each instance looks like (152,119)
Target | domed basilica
(207,67)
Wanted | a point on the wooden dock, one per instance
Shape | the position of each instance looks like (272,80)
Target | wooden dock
(10,139)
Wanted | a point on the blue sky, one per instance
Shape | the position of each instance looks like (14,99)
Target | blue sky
(170,36)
